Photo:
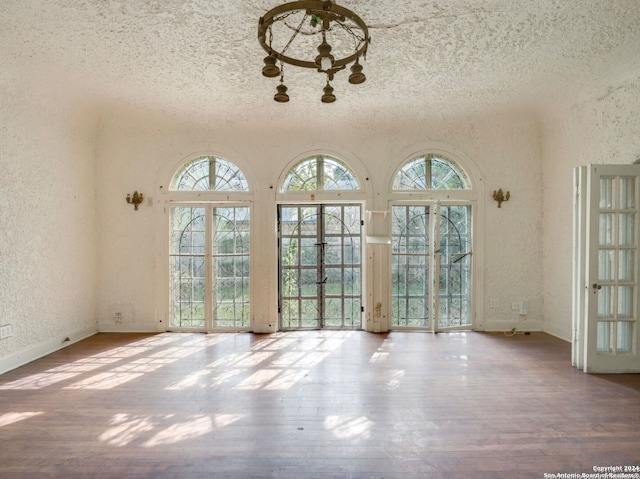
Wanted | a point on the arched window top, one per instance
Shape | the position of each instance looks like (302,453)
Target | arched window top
(431,172)
(320,172)
(209,173)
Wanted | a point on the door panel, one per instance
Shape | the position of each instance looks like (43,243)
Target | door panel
(320,266)
(606,325)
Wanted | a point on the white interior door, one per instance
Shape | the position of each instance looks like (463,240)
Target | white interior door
(606,219)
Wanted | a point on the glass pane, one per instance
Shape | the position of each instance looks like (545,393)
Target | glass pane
(333,250)
(606,262)
(333,312)
(606,229)
(227,176)
(289,255)
(430,172)
(352,250)
(603,337)
(333,280)
(309,251)
(209,173)
(624,339)
(445,176)
(320,173)
(309,286)
(309,312)
(605,302)
(290,313)
(412,176)
(336,175)
(627,229)
(606,193)
(352,313)
(290,282)
(352,281)
(628,193)
(626,265)
(302,177)
(625,301)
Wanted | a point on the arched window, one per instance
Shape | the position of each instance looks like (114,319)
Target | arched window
(320,246)
(209,173)
(431,172)
(320,172)
(209,247)
(431,245)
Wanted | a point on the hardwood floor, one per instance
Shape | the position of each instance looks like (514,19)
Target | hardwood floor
(314,404)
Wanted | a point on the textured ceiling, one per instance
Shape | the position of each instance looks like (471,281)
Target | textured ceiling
(427,58)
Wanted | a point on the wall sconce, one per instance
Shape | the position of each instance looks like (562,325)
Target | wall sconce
(500,196)
(136,199)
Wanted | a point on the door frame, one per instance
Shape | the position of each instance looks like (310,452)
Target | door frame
(209,322)
(362,266)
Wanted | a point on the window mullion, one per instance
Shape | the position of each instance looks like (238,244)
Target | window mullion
(208,280)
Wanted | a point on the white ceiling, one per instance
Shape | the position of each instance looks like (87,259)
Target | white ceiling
(427,58)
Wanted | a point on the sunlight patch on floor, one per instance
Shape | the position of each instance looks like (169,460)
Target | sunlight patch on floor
(352,428)
(13,417)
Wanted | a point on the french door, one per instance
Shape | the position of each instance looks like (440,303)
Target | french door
(209,267)
(320,266)
(605,298)
(431,266)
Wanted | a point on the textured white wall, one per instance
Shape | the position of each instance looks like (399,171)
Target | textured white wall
(603,128)
(137,150)
(48,259)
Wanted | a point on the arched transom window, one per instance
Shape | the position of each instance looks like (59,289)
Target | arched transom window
(209,173)
(320,172)
(431,172)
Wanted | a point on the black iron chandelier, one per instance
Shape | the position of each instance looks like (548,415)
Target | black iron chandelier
(291,32)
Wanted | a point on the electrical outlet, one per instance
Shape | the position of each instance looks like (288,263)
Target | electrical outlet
(5,331)
(494,303)
(514,306)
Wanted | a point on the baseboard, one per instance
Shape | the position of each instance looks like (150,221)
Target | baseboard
(37,351)
(558,335)
(127,328)
(519,325)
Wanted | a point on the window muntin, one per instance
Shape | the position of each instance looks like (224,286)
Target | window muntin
(431,172)
(209,173)
(320,173)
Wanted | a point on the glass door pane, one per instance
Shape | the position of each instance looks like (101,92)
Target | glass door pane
(410,266)
(187,276)
(230,267)
(454,292)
